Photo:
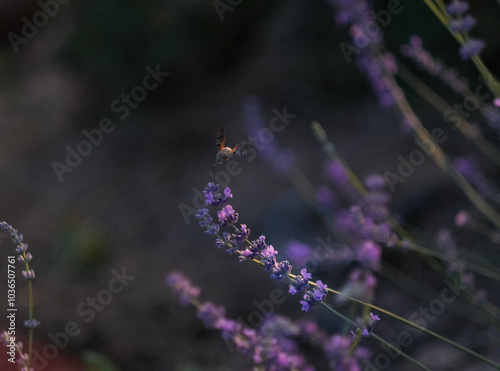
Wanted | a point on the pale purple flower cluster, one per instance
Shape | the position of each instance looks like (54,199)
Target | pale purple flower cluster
(206,221)
(463,23)
(22,358)
(181,286)
(213,197)
(369,328)
(457,8)
(301,283)
(337,351)
(415,51)
(468,167)
(365,227)
(27,273)
(21,249)
(471,48)
(299,252)
(492,115)
(257,249)
(335,171)
(269,347)
(253,250)
(227,216)
(369,225)
(466,23)
(275,345)
(367,37)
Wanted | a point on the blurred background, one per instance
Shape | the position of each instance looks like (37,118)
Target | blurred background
(123,207)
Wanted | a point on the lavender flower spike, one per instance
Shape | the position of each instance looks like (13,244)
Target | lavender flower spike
(227,216)
(471,48)
(300,283)
(182,286)
(21,249)
(369,329)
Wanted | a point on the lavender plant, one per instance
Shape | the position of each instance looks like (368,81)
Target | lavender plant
(363,221)
(24,257)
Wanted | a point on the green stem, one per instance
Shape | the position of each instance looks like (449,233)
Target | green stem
(30,332)
(442,106)
(439,156)
(443,17)
(469,265)
(358,337)
(423,329)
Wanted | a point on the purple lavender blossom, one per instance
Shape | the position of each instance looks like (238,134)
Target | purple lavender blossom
(461,218)
(369,254)
(226,241)
(310,332)
(207,221)
(307,302)
(336,349)
(210,314)
(300,283)
(31,323)
(182,286)
(25,258)
(471,48)
(335,171)
(242,234)
(298,252)
(457,7)
(492,115)
(325,197)
(371,58)
(369,328)
(255,249)
(374,182)
(371,227)
(281,270)
(28,275)
(422,58)
(466,23)
(21,249)
(468,167)
(23,360)
(310,298)
(319,293)
(272,346)
(268,257)
(260,251)
(227,216)
(213,197)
